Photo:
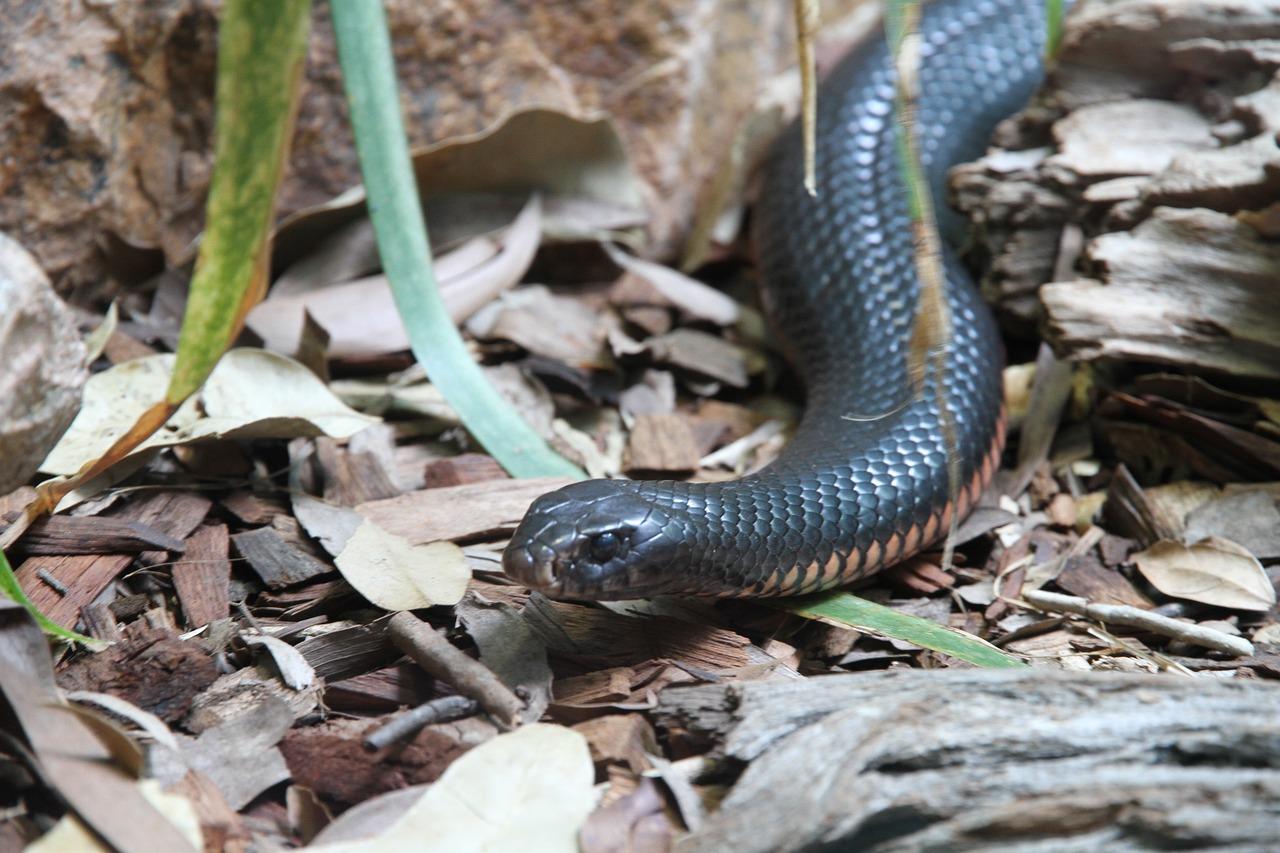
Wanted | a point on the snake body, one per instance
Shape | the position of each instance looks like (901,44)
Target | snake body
(863,483)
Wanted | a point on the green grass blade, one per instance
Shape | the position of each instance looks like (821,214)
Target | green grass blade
(1053,13)
(364,50)
(261,51)
(844,609)
(9,586)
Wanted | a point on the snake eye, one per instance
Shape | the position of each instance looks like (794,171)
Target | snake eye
(604,547)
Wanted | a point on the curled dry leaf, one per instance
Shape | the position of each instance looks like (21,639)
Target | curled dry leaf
(252,393)
(530,790)
(396,575)
(361,316)
(293,667)
(69,835)
(693,296)
(1212,571)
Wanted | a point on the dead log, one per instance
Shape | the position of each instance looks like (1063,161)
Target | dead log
(974,759)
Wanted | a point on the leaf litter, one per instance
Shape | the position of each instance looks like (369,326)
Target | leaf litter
(259,632)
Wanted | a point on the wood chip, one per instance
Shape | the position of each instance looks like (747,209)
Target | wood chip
(463,470)
(201,578)
(352,478)
(152,669)
(661,442)
(82,577)
(707,355)
(278,563)
(1086,577)
(66,535)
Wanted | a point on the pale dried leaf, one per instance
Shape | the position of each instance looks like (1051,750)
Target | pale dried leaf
(252,393)
(69,835)
(293,667)
(1212,571)
(396,575)
(693,296)
(527,790)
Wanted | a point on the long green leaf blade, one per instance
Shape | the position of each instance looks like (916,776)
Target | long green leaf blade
(845,609)
(364,50)
(261,51)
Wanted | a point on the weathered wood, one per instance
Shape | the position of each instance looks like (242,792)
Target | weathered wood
(662,442)
(64,535)
(968,759)
(462,470)
(202,578)
(1186,287)
(79,580)
(278,563)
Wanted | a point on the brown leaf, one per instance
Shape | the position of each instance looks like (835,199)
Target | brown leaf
(1212,571)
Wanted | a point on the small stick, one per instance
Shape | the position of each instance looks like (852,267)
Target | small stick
(446,709)
(442,660)
(53,583)
(1133,617)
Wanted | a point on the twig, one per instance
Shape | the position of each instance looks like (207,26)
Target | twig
(446,709)
(441,659)
(1133,617)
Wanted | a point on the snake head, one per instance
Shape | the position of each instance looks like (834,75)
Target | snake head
(595,540)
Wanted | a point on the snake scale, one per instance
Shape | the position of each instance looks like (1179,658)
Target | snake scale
(848,495)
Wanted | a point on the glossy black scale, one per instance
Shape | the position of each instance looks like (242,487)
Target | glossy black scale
(839,288)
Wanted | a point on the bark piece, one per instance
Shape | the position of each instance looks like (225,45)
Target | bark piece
(603,637)
(662,443)
(463,470)
(379,691)
(1193,288)
(1138,137)
(66,534)
(350,477)
(1086,577)
(177,513)
(1081,761)
(201,579)
(348,652)
(459,513)
(152,669)
(278,563)
(707,355)
(1248,518)
(79,580)
(332,760)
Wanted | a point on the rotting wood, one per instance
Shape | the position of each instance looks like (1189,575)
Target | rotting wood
(911,760)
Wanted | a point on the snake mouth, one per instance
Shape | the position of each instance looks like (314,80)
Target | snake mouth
(520,564)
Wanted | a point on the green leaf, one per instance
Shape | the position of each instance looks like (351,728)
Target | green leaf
(841,608)
(261,52)
(10,587)
(364,50)
(1053,13)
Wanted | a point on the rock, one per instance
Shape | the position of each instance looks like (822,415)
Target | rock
(44,366)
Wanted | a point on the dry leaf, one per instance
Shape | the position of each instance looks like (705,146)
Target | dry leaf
(69,835)
(1212,571)
(529,790)
(252,393)
(396,575)
(693,296)
(293,667)
(361,316)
